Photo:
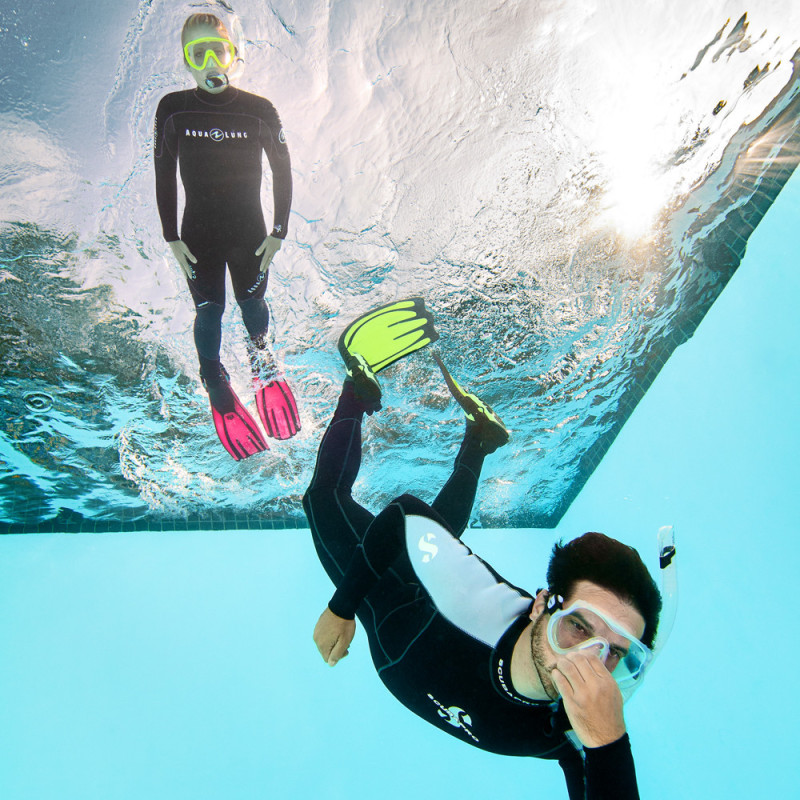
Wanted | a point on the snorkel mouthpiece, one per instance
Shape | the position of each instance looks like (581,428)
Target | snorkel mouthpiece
(216,81)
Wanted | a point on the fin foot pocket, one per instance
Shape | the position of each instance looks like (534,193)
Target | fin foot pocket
(482,422)
(237,430)
(366,388)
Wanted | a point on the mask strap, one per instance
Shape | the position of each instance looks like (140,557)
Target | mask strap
(555,602)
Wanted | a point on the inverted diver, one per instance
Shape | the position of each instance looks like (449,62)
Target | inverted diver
(539,674)
(217,133)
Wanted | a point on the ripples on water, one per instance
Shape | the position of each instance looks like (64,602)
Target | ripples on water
(496,162)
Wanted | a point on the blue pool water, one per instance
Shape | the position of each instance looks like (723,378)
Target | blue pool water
(181,665)
(568,227)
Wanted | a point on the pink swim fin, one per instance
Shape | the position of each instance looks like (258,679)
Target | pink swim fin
(277,408)
(236,428)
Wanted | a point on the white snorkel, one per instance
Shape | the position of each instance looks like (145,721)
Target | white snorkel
(669,586)
(669,598)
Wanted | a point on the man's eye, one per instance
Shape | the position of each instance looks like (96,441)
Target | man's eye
(578,627)
(617,654)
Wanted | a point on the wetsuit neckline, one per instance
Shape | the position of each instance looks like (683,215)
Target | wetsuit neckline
(220,99)
(501,666)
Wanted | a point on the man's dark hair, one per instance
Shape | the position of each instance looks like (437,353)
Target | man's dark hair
(611,564)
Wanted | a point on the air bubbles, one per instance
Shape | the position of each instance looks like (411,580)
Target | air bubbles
(39,402)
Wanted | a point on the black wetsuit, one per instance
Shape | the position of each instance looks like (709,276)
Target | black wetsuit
(218,140)
(442,623)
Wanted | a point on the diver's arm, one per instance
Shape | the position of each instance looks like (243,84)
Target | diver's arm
(591,697)
(165,159)
(610,772)
(383,542)
(278,154)
(572,765)
(593,703)
(605,773)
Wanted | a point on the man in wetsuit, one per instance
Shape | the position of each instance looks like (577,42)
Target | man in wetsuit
(217,133)
(500,668)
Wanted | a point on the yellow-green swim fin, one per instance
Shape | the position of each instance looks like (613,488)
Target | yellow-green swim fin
(386,334)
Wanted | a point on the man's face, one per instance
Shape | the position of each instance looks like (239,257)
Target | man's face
(220,50)
(545,659)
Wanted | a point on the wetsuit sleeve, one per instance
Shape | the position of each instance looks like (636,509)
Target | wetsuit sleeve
(383,542)
(274,142)
(165,158)
(606,773)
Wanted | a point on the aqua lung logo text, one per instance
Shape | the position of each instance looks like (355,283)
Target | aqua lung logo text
(215,134)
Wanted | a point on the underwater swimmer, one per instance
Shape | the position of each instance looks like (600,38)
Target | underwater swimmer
(217,133)
(505,670)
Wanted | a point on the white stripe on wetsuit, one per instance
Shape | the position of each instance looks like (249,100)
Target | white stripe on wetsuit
(462,587)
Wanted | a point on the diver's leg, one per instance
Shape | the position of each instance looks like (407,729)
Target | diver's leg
(208,335)
(275,400)
(208,292)
(255,316)
(454,502)
(485,433)
(250,285)
(337,521)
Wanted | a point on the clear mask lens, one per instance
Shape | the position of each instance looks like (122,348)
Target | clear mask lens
(580,627)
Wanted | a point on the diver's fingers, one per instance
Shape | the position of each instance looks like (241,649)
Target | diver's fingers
(183,255)
(592,700)
(187,270)
(570,672)
(271,245)
(561,683)
(333,635)
(188,253)
(338,652)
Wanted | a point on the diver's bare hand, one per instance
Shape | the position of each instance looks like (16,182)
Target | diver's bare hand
(592,699)
(267,250)
(183,255)
(333,635)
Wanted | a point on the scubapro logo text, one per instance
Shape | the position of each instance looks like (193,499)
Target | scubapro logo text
(455,716)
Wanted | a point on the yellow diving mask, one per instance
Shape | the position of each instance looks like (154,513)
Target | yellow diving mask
(199,52)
